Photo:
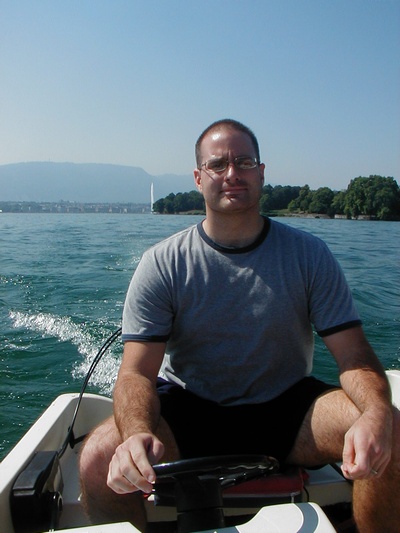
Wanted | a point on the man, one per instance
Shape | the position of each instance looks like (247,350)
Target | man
(217,332)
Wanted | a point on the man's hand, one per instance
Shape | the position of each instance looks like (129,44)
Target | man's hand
(130,468)
(367,447)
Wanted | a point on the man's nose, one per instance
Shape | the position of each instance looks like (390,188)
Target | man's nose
(231,171)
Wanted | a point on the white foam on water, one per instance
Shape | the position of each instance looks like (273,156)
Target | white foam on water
(49,325)
(65,330)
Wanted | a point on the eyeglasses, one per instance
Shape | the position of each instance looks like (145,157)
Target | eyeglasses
(217,165)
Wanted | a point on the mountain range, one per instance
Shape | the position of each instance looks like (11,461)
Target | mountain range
(85,182)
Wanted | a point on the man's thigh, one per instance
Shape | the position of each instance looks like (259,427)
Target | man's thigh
(320,439)
(101,443)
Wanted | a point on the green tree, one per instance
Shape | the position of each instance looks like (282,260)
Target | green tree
(339,202)
(169,204)
(302,202)
(278,197)
(181,203)
(189,201)
(283,195)
(375,196)
(159,206)
(321,201)
(197,201)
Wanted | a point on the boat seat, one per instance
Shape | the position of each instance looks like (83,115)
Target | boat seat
(276,502)
(285,486)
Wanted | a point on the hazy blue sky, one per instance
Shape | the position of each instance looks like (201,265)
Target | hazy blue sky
(134,82)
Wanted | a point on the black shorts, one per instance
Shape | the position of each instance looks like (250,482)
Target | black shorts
(204,428)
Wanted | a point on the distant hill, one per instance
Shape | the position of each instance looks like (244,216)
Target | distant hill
(87,182)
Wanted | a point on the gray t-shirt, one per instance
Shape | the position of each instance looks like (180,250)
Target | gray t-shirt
(237,322)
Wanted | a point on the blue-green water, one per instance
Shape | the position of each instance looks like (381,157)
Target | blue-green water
(63,280)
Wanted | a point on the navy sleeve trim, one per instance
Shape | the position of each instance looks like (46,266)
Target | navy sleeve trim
(340,327)
(126,337)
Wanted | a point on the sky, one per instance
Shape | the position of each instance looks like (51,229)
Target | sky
(134,82)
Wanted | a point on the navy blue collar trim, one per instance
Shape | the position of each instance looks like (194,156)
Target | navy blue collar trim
(227,250)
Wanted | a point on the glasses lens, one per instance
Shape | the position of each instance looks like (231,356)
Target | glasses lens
(245,162)
(219,164)
(216,165)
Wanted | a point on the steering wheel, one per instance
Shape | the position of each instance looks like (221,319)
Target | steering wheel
(236,468)
(195,486)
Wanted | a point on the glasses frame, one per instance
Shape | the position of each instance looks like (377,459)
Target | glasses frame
(228,163)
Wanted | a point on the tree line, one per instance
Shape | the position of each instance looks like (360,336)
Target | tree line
(375,197)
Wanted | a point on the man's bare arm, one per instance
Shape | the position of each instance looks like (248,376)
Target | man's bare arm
(137,414)
(136,405)
(368,443)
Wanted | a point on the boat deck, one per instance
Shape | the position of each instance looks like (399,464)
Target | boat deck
(325,487)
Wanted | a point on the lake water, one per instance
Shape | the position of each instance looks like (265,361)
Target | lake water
(63,280)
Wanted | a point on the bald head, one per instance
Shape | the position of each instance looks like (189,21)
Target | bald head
(223,125)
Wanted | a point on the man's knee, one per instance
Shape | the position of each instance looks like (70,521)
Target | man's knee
(396,434)
(321,436)
(97,450)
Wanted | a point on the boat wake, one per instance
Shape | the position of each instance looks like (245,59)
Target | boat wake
(86,342)
(53,326)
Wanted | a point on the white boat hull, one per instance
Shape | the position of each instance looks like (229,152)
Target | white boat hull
(324,486)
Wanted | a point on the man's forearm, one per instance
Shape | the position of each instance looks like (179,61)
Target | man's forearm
(136,405)
(365,382)
(362,376)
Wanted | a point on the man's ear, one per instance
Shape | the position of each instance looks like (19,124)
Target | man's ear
(261,169)
(197,179)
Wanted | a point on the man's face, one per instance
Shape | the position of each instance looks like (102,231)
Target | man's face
(234,189)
